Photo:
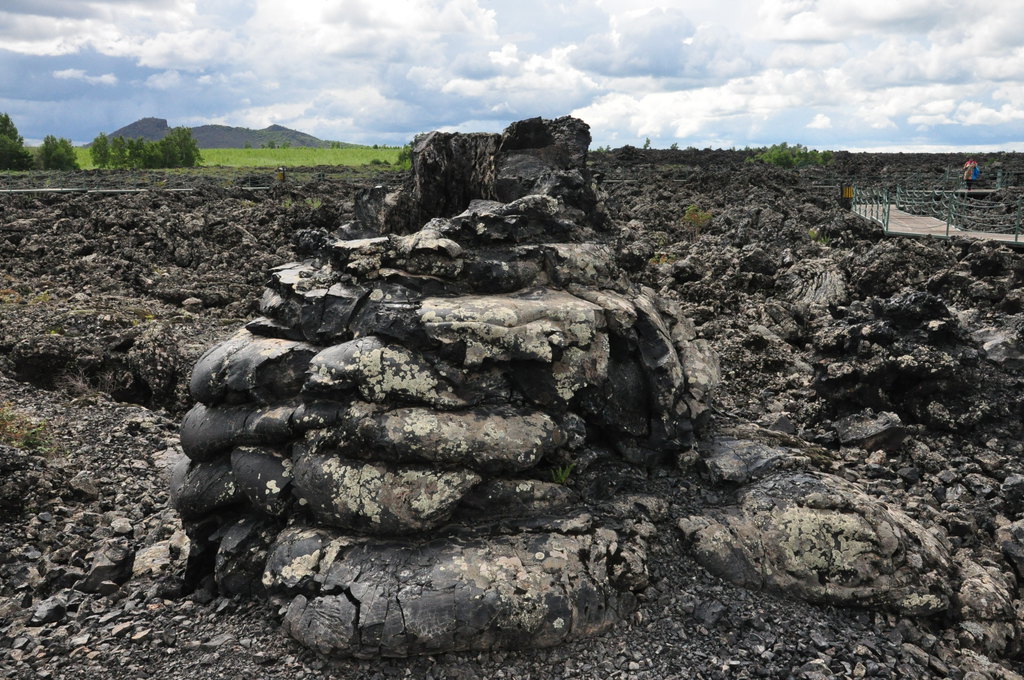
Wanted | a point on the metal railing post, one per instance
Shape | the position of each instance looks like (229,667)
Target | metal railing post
(1016,224)
(949,212)
(885,214)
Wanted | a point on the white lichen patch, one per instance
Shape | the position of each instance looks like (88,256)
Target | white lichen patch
(434,493)
(302,567)
(841,546)
(394,371)
(356,489)
(503,438)
(522,326)
(381,372)
(351,494)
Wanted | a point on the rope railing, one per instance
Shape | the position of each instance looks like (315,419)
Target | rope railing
(958,210)
(922,202)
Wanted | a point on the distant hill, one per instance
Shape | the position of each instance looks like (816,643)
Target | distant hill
(223,136)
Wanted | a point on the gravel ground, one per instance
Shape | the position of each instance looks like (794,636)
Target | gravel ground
(135,287)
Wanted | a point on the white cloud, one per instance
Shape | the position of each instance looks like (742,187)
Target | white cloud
(976,113)
(831,21)
(79,74)
(696,72)
(167,80)
(936,112)
(550,75)
(57,27)
(820,122)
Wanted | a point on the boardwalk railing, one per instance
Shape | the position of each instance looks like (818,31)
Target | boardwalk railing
(954,211)
(872,203)
(960,212)
(942,205)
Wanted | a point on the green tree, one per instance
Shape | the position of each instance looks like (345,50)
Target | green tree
(118,153)
(647,143)
(99,150)
(13,154)
(137,153)
(179,150)
(57,154)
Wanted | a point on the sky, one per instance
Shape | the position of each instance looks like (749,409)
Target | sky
(911,75)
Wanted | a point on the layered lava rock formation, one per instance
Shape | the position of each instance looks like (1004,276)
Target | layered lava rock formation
(386,450)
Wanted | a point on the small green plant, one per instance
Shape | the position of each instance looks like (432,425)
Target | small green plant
(141,315)
(314,202)
(693,221)
(40,298)
(818,237)
(22,432)
(560,475)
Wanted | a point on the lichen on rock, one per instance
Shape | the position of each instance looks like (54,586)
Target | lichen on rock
(818,537)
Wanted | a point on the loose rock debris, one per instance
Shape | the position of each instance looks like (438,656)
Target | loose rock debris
(833,366)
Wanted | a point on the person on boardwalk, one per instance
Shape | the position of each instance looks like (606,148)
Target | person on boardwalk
(971,173)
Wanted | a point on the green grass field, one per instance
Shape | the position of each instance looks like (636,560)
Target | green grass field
(290,157)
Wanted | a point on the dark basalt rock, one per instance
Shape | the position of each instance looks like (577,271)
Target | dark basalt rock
(411,393)
(383,598)
(872,431)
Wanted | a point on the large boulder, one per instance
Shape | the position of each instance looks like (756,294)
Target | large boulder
(414,400)
(818,537)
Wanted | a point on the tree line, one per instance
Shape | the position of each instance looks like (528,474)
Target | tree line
(177,150)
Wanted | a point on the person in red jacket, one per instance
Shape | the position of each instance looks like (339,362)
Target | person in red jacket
(971,173)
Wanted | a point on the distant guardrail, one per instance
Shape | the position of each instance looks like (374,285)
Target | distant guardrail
(85,190)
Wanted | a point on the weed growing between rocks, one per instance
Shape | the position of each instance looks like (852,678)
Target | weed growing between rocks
(694,220)
(23,432)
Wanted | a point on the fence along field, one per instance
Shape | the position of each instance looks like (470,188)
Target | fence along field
(287,157)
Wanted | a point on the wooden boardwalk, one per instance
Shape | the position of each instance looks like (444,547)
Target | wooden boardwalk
(905,224)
